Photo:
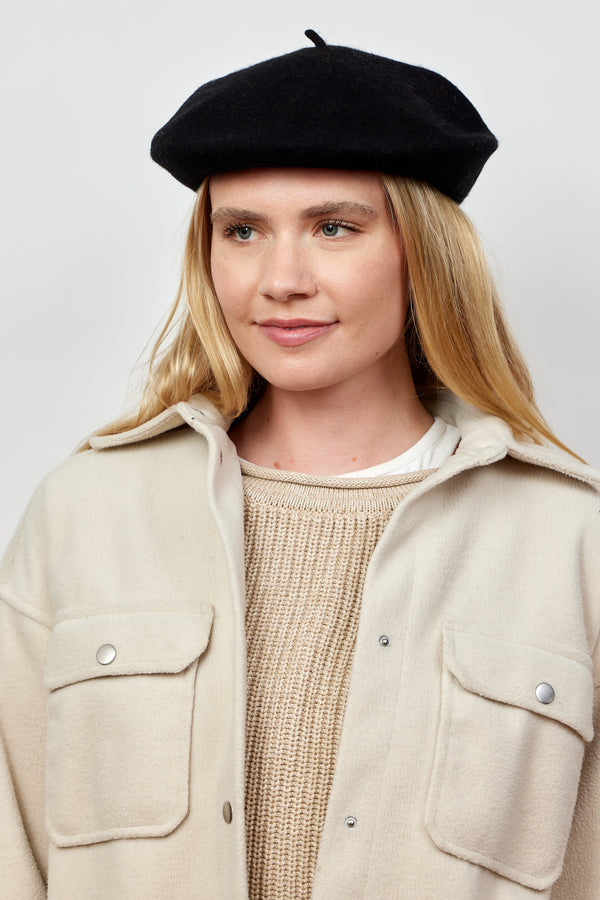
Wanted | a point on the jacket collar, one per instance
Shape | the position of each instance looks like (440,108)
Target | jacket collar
(196,412)
(489,439)
(484,438)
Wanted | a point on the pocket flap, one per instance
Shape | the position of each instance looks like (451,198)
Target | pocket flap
(511,673)
(132,644)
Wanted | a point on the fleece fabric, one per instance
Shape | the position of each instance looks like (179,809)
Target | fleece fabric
(123,679)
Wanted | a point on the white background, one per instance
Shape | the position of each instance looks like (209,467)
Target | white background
(91,229)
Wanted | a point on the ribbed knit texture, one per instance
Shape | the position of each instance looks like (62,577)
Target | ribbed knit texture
(308,542)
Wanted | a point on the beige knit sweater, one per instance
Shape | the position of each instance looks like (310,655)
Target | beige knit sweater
(308,544)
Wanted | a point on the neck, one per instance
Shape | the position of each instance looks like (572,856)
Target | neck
(332,430)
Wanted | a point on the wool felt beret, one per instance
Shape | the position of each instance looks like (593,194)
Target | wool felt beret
(329,107)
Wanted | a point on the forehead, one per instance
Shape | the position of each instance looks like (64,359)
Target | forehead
(296,187)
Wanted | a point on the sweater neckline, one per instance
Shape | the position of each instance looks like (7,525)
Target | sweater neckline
(332,481)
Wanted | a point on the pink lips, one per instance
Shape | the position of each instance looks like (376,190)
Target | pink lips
(293,332)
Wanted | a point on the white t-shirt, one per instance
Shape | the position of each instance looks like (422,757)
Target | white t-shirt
(434,448)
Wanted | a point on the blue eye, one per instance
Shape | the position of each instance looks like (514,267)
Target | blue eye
(237,231)
(243,232)
(336,228)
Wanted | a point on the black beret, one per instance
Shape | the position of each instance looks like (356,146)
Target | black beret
(329,107)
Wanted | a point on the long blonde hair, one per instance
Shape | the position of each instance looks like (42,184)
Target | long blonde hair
(456,334)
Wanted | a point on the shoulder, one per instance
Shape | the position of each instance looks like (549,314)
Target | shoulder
(558,479)
(536,501)
(519,470)
(105,515)
(124,467)
(104,489)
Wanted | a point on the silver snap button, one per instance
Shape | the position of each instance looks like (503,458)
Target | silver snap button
(544,692)
(106,654)
(384,640)
(350,822)
(227,812)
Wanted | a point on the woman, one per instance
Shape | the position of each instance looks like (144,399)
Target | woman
(321,619)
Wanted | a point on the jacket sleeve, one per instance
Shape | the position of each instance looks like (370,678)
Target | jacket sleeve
(580,878)
(23,638)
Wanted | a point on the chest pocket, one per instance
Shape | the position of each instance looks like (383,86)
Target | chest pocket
(119,723)
(510,745)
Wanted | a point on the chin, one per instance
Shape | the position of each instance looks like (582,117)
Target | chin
(297,385)
(306,380)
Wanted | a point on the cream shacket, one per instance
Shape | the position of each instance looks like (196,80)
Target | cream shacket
(126,778)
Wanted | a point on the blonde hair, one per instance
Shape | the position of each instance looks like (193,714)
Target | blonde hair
(456,334)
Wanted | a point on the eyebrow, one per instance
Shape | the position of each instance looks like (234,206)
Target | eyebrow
(328,208)
(335,208)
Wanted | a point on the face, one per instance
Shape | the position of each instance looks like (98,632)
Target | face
(309,272)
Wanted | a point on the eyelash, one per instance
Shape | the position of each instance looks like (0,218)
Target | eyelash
(231,229)
(340,224)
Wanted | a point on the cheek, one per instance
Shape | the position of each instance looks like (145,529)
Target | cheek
(381,288)
(389,268)
(221,273)
(232,283)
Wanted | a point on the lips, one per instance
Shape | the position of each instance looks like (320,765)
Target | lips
(294,323)
(293,332)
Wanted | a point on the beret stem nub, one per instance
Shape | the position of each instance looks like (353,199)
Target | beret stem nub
(315,38)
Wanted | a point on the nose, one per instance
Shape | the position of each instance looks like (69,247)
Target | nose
(286,273)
